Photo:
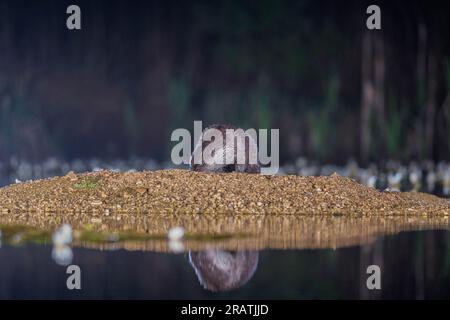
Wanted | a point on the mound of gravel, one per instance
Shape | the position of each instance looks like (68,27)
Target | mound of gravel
(179,191)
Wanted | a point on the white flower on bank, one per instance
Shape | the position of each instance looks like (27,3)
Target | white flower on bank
(63,235)
(176,233)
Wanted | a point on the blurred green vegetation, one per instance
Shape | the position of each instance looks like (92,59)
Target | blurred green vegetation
(131,127)
(447,100)
(395,127)
(22,131)
(322,121)
(136,71)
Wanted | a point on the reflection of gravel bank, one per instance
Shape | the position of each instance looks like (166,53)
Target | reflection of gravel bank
(226,232)
(102,195)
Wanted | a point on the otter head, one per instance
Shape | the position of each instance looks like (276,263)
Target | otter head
(236,152)
(220,270)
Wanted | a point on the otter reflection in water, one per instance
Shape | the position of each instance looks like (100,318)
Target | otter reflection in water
(221,270)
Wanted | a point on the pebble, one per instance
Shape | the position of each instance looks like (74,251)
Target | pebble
(176,233)
(63,235)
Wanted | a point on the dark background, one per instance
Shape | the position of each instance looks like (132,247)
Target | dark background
(139,69)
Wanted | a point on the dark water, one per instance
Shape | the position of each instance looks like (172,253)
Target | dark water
(311,258)
(414,265)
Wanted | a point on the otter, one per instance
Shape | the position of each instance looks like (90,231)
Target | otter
(228,153)
(223,270)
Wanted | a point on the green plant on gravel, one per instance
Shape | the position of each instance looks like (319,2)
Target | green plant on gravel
(85,185)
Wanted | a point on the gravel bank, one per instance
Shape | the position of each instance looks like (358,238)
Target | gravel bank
(105,193)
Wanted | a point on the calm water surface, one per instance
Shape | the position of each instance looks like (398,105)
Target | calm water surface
(268,257)
(413,264)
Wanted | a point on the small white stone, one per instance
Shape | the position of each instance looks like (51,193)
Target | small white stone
(96,220)
(176,233)
(62,235)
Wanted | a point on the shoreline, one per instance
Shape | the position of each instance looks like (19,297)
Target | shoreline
(107,194)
